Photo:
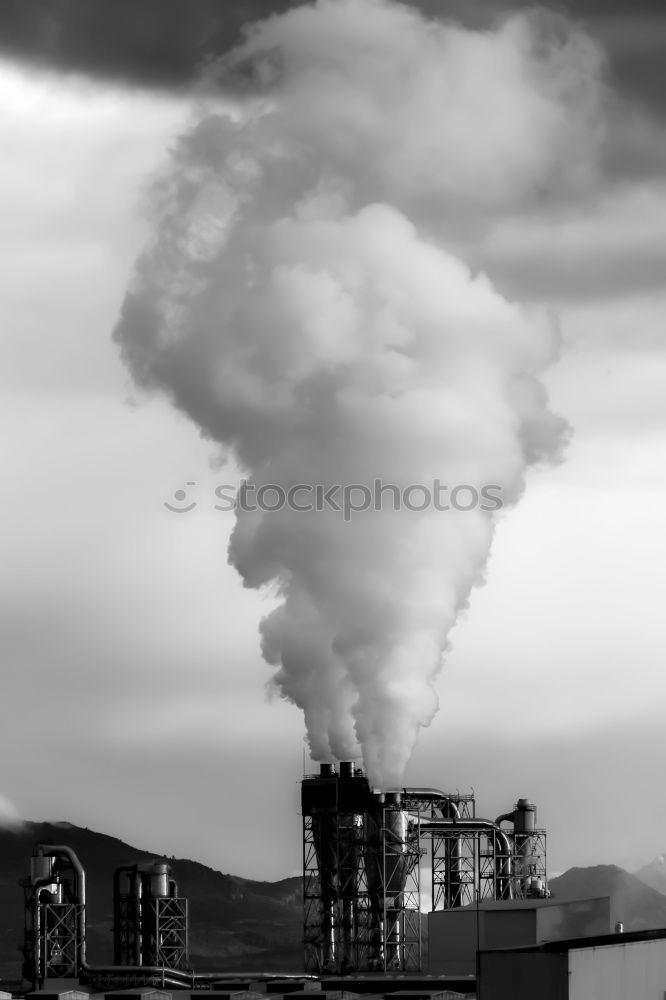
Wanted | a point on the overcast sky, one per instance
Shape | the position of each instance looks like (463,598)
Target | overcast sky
(134,693)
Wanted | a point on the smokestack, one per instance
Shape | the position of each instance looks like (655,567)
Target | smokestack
(305,303)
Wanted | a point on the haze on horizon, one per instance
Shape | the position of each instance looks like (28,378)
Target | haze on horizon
(134,687)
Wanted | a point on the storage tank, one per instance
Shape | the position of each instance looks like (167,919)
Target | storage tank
(158,879)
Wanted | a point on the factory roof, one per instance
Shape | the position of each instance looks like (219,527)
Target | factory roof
(516,904)
(596,941)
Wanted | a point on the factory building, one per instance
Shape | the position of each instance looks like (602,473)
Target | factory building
(493,932)
(455,936)
(628,966)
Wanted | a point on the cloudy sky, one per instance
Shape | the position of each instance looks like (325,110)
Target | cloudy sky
(134,691)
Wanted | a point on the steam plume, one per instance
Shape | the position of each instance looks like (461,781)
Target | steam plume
(10,818)
(303,305)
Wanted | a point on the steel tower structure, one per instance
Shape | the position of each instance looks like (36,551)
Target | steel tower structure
(362,858)
(54,928)
(361,887)
(150,918)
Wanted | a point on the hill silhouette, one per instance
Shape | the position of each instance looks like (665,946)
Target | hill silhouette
(235,923)
(240,924)
(638,906)
(654,873)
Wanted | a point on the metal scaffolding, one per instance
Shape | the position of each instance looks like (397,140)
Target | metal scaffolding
(361,886)
(476,859)
(361,892)
(400,892)
(51,943)
(530,876)
(165,932)
(339,920)
(54,927)
(362,857)
(150,919)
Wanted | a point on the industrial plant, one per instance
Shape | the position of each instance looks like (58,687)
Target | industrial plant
(150,923)
(383,873)
(365,856)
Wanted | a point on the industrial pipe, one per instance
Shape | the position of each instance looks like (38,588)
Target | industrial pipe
(435,825)
(38,887)
(61,850)
(175,977)
(432,794)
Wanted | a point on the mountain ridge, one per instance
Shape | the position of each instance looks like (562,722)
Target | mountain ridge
(234,921)
(654,873)
(634,904)
(237,923)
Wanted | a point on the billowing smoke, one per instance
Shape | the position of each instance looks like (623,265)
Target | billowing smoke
(10,818)
(305,304)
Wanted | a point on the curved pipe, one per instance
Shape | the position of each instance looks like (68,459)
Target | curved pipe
(61,850)
(41,883)
(434,795)
(428,793)
(448,806)
(138,898)
(37,886)
(435,825)
(505,818)
(173,976)
(122,870)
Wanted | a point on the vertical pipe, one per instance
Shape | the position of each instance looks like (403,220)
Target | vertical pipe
(138,917)
(418,885)
(349,863)
(122,915)
(39,959)
(452,859)
(396,862)
(524,825)
(77,868)
(384,914)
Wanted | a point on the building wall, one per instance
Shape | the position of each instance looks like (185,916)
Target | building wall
(519,975)
(507,929)
(632,971)
(452,942)
(453,936)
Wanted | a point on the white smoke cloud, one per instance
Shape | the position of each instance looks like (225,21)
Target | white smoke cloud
(10,817)
(304,305)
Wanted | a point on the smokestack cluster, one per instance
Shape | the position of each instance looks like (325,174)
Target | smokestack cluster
(306,304)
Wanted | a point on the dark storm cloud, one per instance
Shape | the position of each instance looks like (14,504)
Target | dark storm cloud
(151,42)
(635,43)
(163,42)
